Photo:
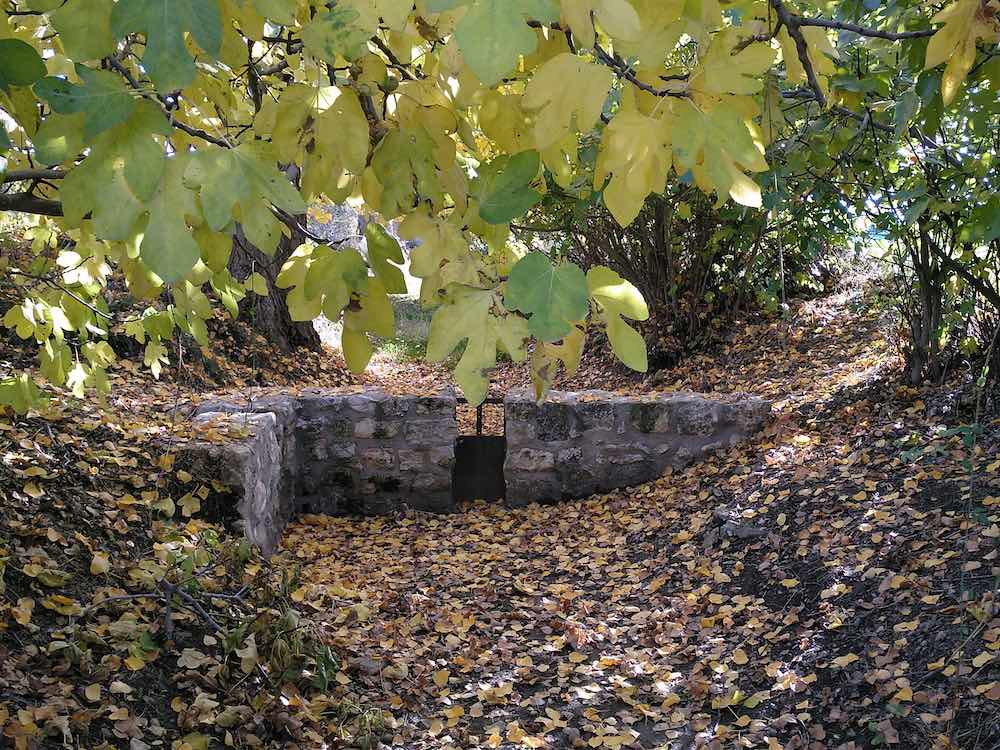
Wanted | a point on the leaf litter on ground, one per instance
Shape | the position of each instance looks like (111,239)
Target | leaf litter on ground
(831,583)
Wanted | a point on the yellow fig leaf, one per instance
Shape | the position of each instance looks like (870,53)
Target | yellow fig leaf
(616,17)
(965,23)
(635,151)
(568,94)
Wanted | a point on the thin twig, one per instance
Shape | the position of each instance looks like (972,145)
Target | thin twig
(393,60)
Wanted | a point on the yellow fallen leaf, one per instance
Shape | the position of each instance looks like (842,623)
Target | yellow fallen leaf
(843,661)
(903,694)
(740,657)
(92,693)
(441,677)
(982,659)
(100,564)
(906,627)
(515,733)
(790,583)
(22,612)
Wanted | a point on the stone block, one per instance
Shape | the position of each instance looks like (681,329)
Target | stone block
(442,457)
(375,459)
(369,428)
(431,482)
(390,407)
(440,407)
(411,460)
(530,459)
(427,432)
(650,417)
(596,415)
(694,415)
(556,422)
(361,404)
(524,489)
(570,456)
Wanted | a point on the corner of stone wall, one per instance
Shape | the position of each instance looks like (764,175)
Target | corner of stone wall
(327,451)
(247,452)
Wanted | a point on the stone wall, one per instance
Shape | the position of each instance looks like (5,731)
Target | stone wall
(325,451)
(368,452)
(578,444)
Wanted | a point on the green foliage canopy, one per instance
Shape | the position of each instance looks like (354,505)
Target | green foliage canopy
(147,131)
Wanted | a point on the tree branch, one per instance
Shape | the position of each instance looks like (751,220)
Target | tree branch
(24,175)
(393,60)
(30,204)
(892,36)
(791,22)
(624,71)
(120,68)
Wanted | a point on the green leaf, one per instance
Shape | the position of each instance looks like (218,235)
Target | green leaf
(493,34)
(257,284)
(59,138)
(357,350)
(545,359)
(168,247)
(383,251)
(615,298)
(404,165)
(129,148)
(20,64)
(280,11)
(247,176)
(5,142)
(84,28)
(336,32)
(164,22)
(373,314)
(332,276)
(506,192)
(568,93)
(473,315)
(554,296)
(20,393)
(103,99)
(906,107)
(916,210)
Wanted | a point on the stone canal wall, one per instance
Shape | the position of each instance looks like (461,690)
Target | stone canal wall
(328,452)
(578,444)
(369,452)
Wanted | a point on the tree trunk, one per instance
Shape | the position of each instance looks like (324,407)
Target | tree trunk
(269,315)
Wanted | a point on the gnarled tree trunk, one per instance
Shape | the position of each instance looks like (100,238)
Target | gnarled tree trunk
(269,314)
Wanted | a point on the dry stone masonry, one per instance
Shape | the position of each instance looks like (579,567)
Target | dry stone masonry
(369,452)
(578,444)
(322,451)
